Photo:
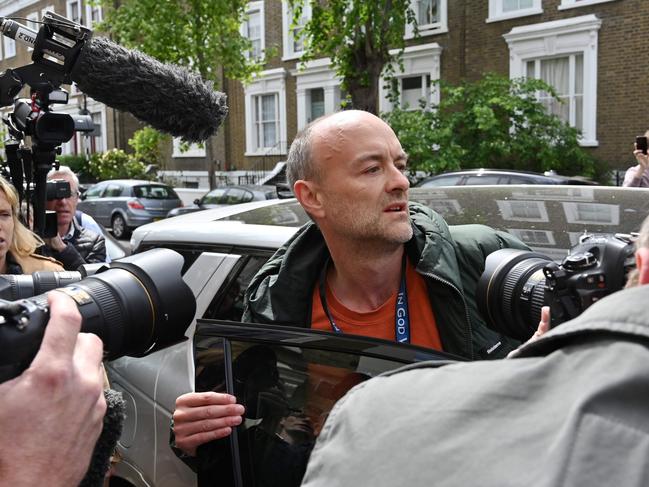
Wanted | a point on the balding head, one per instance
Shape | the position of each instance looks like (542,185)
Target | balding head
(319,142)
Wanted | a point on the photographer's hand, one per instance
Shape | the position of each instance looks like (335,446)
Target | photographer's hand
(543,328)
(643,162)
(204,416)
(52,414)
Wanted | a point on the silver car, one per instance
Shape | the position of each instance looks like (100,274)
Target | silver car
(125,204)
(223,248)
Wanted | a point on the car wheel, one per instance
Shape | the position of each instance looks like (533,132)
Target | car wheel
(118,226)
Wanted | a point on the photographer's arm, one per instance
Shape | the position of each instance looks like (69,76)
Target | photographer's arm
(633,176)
(51,415)
(543,328)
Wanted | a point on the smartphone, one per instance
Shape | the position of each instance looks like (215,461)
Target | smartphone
(641,144)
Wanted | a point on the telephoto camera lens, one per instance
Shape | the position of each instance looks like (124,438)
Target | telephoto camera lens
(136,305)
(511,292)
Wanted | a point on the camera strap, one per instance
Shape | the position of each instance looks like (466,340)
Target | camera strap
(401,315)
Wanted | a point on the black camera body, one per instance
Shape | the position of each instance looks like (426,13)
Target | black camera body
(136,305)
(516,284)
(57,189)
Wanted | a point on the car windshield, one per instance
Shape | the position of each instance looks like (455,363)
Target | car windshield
(154,192)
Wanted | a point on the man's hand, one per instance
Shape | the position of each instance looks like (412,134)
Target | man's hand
(543,328)
(204,416)
(52,414)
(55,243)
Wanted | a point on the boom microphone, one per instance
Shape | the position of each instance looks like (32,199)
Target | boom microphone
(168,97)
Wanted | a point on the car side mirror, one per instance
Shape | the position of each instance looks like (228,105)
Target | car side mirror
(197,202)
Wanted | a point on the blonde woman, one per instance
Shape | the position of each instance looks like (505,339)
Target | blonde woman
(18,244)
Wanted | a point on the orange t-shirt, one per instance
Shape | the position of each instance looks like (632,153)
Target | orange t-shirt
(379,323)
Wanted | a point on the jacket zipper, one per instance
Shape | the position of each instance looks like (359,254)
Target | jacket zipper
(467,338)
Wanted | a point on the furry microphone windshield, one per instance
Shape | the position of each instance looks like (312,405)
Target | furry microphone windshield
(167,97)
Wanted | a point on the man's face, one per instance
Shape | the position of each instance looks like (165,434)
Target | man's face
(65,207)
(6,225)
(362,188)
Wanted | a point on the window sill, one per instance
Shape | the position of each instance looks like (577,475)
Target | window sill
(583,3)
(267,151)
(515,15)
(427,32)
(589,143)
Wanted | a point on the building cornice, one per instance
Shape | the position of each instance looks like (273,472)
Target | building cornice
(8,7)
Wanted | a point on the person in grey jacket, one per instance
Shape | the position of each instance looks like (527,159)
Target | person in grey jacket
(571,408)
(370,263)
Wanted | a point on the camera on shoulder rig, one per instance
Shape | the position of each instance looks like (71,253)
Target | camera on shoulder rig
(516,284)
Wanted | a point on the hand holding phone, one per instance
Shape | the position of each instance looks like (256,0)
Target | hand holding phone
(641,144)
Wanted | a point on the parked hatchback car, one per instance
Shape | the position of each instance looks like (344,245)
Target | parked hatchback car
(125,204)
(224,247)
(496,176)
(228,195)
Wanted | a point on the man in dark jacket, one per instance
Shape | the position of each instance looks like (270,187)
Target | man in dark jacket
(370,263)
(570,409)
(74,245)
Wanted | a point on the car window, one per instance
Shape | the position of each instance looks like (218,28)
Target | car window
(213,197)
(450,180)
(113,190)
(234,196)
(94,192)
(288,392)
(484,179)
(247,196)
(228,302)
(522,180)
(154,192)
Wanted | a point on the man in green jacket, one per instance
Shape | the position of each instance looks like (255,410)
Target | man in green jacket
(370,263)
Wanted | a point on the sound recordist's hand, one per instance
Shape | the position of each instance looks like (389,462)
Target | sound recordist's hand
(52,414)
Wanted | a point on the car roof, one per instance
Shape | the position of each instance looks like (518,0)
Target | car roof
(548,176)
(549,218)
(132,182)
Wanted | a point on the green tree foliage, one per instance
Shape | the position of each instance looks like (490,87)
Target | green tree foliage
(494,123)
(147,145)
(357,35)
(116,164)
(78,163)
(202,35)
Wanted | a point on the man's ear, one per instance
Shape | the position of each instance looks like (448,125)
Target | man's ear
(642,264)
(307,193)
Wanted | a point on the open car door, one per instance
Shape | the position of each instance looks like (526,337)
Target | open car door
(288,379)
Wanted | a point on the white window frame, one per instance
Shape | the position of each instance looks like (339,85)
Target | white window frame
(194,150)
(497,14)
(507,211)
(252,8)
(265,83)
(421,60)
(555,39)
(568,4)
(89,9)
(68,9)
(287,33)
(92,106)
(429,29)
(574,215)
(316,74)
(9,46)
